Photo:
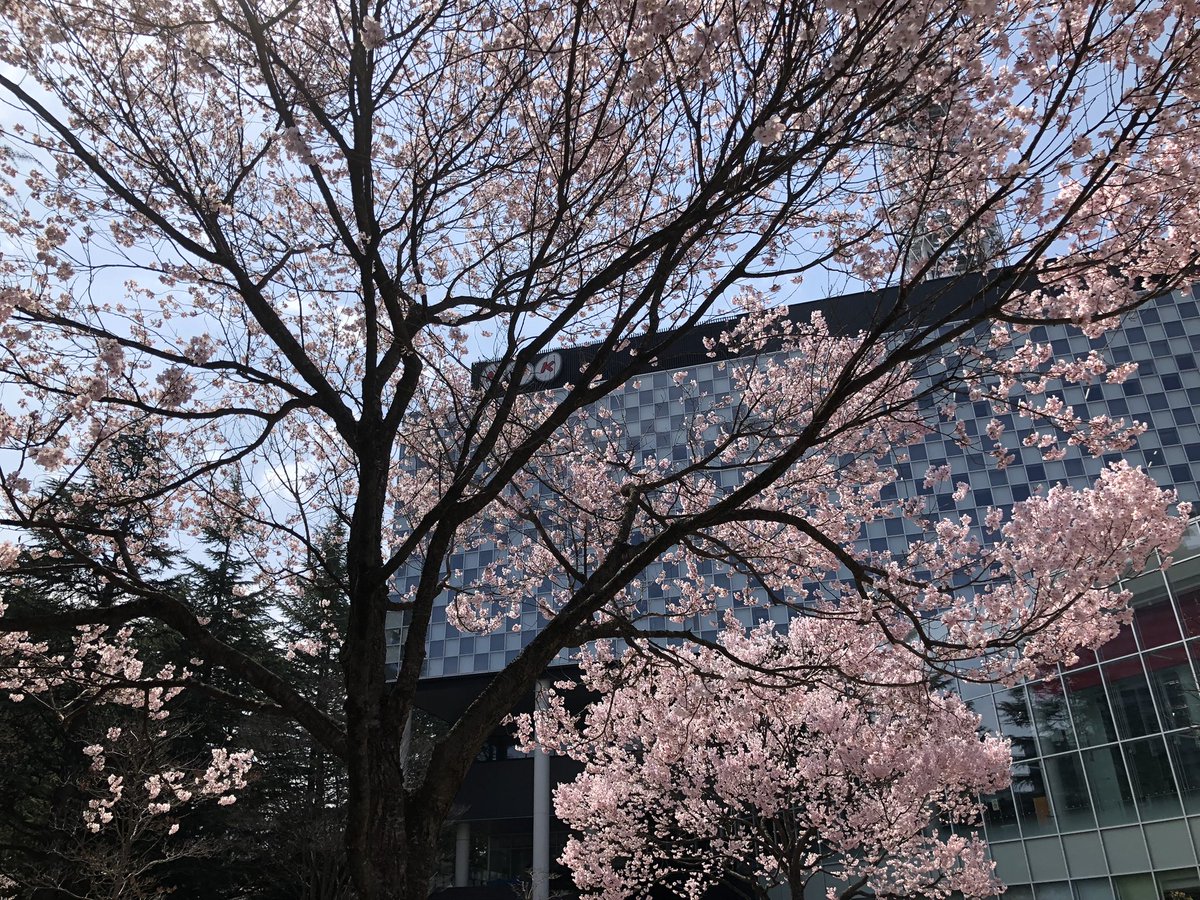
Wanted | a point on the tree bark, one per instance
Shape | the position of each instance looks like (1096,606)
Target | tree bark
(424,829)
(382,856)
(377,844)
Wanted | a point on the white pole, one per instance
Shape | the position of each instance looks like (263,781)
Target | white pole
(541,807)
(462,855)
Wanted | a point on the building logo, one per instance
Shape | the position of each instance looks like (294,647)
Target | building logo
(543,369)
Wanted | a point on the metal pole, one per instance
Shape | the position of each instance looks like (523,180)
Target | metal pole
(462,855)
(541,807)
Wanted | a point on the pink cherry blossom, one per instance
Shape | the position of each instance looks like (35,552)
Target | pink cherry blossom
(848,763)
(329,258)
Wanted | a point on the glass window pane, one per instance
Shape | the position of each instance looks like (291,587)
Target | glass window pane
(1070,793)
(969,690)
(1135,887)
(1000,816)
(1153,615)
(1015,722)
(1150,774)
(1178,884)
(987,713)
(1189,545)
(1194,650)
(1086,658)
(1033,802)
(1185,753)
(1130,695)
(1093,889)
(1054,890)
(1174,687)
(1184,579)
(1122,645)
(1050,716)
(1111,797)
(1089,707)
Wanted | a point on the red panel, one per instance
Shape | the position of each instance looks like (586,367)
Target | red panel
(1189,610)
(1156,625)
(1122,645)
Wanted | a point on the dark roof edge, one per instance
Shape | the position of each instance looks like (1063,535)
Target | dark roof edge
(846,314)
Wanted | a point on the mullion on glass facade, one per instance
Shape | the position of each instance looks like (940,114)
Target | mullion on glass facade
(1136,718)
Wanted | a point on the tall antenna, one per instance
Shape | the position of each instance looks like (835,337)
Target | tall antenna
(944,233)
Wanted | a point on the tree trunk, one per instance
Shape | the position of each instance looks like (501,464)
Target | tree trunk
(421,851)
(393,847)
(377,844)
(392,835)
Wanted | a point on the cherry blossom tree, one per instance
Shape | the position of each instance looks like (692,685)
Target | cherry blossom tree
(125,824)
(267,240)
(713,772)
(136,808)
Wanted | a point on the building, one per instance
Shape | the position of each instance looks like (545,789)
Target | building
(1105,801)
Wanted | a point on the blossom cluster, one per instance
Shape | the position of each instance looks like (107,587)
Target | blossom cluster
(773,757)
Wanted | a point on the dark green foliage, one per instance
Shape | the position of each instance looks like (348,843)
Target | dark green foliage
(281,839)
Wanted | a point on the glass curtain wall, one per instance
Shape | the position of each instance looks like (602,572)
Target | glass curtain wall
(1105,798)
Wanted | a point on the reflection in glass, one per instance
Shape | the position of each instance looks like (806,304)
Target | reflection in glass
(1053,723)
(1185,753)
(969,690)
(1189,545)
(1153,616)
(1000,816)
(1089,707)
(1150,774)
(1130,695)
(1184,579)
(1111,797)
(1122,645)
(1135,887)
(1033,801)
(1178,884)
(1093,889)
(1194,650)
(1174,687)
(1015,722)
(1069,789)
(1086,658)
(987,713)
